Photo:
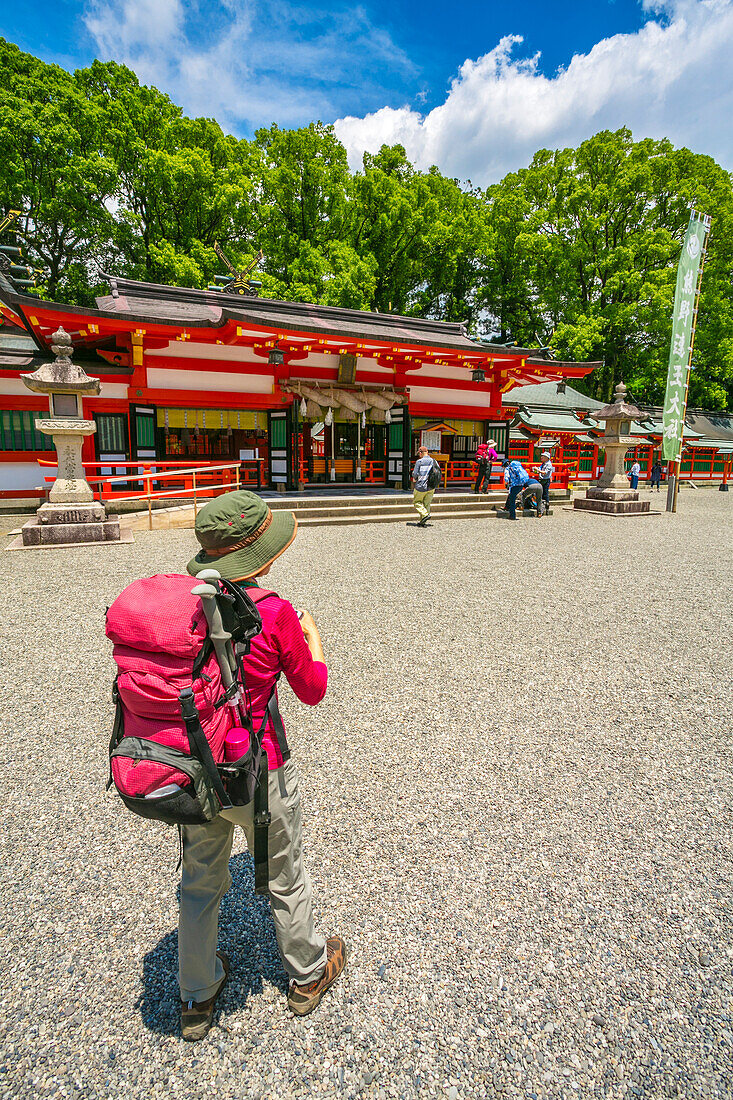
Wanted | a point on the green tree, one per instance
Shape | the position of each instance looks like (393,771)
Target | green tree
(597,243)
(302,186)
(54,169)
(582,245)
(181,186)
(424,234)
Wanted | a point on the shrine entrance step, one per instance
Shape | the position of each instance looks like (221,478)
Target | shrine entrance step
(331,511)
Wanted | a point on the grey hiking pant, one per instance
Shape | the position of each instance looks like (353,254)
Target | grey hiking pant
(205,879)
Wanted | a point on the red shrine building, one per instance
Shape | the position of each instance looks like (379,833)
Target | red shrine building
(303,395)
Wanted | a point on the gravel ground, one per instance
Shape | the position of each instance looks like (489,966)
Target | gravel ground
(518,807)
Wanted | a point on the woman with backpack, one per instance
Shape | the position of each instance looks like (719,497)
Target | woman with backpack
(241,537)
(485,454)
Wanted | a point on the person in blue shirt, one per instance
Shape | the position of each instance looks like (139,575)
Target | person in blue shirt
(516,478)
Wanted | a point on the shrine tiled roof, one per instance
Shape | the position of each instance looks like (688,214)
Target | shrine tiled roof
(182,305)
(544,420)
(18,350)
(545,395)
(715,426)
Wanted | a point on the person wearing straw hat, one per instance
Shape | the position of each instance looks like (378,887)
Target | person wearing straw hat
(544,473)
(241,538)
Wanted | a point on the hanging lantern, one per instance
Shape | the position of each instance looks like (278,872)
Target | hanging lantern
(329,418)
(276,357)
(561,386)
(478,375)
(303,408)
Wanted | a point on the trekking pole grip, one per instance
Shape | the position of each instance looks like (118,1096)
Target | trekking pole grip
(220,637)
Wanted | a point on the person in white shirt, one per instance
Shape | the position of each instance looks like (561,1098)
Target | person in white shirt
(544,474)
(634,475)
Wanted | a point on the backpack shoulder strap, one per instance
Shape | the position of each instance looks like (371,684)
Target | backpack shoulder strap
(118,728)
(258,594)
(272,711)
(277,723)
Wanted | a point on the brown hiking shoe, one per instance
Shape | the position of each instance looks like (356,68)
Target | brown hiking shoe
(302,999)
(197,1016)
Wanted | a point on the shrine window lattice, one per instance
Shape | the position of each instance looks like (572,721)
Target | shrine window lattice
(18,432)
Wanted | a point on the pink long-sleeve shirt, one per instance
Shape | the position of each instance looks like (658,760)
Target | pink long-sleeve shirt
(280,647)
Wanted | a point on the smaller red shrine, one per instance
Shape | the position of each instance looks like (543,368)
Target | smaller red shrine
(560,419)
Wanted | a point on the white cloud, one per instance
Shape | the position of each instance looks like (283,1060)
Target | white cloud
(249,62)
(673,78)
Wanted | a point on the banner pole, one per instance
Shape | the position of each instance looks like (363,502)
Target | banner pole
(678,462)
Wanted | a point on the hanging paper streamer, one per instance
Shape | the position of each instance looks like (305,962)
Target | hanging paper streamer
(387,416)
(303,408)
(363,420)
(329,418)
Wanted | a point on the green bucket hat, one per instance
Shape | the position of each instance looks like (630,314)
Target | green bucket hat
(240,535)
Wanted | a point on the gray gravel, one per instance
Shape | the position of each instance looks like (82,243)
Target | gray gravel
(520,824)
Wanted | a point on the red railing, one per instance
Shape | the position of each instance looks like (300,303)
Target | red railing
(466,471)
(178,475)
(190,481)
(373,471)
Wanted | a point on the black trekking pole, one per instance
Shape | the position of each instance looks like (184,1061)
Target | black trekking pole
(221,640)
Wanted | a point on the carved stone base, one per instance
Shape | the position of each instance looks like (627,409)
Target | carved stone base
(615,502)
(595,493)
(34,533)
(71,513)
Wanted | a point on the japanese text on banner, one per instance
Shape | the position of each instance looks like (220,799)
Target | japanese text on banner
(683,324)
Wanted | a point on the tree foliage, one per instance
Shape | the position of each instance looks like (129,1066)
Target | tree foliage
(579,249)
(594,237)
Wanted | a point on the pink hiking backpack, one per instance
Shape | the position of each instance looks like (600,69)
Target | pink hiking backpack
(167,747)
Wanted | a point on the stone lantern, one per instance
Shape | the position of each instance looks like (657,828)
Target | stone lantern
(612,492)
(71,514)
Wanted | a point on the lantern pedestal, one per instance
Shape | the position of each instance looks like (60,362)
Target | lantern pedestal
(611,493)
(72,516)
(69,527)
(614,503)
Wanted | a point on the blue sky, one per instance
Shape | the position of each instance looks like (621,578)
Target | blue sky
(473,87)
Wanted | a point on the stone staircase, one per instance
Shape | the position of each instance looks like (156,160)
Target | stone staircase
(336,510)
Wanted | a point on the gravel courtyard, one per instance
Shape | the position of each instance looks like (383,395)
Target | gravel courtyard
(518,806)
